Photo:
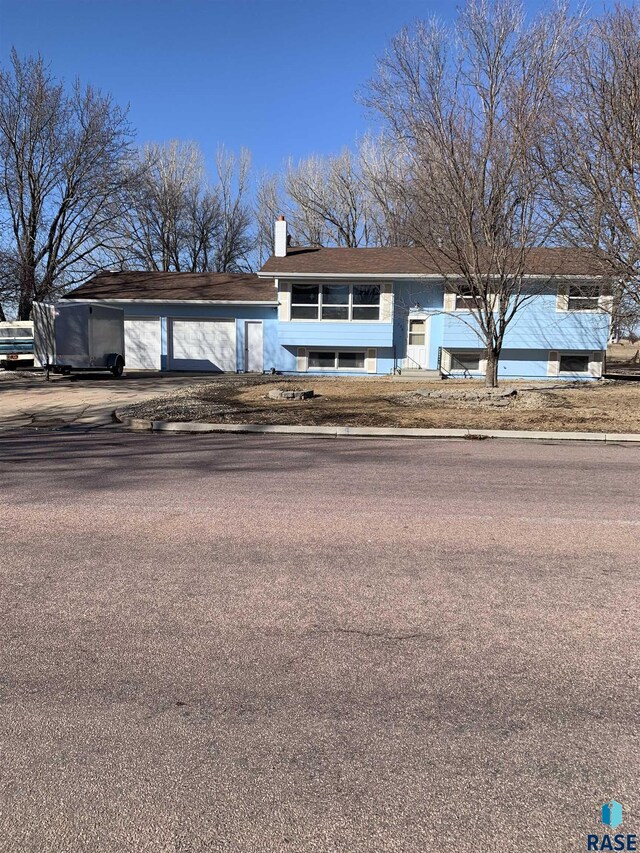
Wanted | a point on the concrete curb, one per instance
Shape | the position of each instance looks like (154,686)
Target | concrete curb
(371,432)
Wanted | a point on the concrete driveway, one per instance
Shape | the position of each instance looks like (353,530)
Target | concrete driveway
(80,399)
(232,643)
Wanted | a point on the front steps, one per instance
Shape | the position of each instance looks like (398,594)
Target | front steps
(414,374)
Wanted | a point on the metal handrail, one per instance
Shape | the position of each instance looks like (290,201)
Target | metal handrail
(465,373)
(417,363)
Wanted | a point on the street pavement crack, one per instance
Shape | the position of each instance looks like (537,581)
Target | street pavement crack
(379,635)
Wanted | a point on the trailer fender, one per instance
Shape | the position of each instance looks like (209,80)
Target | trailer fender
(112,358)
(115,363)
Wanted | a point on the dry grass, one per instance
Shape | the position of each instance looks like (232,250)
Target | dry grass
(379,401)
(623,357)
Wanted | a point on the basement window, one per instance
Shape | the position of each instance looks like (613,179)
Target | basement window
(571,363)
(469,361)
(330,360)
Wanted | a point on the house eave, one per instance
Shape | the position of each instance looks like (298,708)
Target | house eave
(413,276)
(257,303)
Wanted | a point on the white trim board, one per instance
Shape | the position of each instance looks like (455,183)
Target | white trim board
(428,275)
(271,304)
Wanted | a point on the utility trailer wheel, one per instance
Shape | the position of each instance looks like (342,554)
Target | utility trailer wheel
(118,367)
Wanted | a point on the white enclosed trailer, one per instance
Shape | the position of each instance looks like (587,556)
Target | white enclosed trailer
(79,336)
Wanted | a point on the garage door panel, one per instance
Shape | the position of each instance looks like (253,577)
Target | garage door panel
(142,346)
(207,345)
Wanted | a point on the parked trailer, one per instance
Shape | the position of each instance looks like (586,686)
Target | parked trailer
(16,344)
(79,336)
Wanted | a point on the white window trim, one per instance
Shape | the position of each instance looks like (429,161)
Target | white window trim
(384,305)
(594,369)
(450,304)
(605,300)
(596,363)
(284,300)
(302,360)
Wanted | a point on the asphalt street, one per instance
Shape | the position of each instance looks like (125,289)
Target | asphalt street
(256,644)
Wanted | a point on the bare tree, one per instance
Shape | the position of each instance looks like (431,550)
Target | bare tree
(269,205)
(470,108)
(328,203)
(176,222)
(385,173)
(9,276)
(349,199)
(593,159)
(235,241)
(62,181)
(163,194)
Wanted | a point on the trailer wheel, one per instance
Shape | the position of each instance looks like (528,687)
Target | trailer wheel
(118,367)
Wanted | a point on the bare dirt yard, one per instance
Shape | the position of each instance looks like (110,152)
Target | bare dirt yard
(605,406)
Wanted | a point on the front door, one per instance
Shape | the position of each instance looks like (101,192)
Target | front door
(418,343)
(253,357)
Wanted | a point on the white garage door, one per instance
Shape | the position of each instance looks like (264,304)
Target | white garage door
(203,345)
(142,343)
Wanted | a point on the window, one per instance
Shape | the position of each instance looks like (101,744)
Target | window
(305,299)
(335,302)
(583,297)
(366,302)
(464,298)
(417,333)
(342,302)
(351,360)
(324,360)
(329,360)
(570,363)
(465,361)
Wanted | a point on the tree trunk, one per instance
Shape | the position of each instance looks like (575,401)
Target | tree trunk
(27,291)
(491,377)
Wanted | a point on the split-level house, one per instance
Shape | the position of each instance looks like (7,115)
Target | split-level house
(358,311)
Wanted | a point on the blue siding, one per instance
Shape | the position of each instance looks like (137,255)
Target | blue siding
(427,298)
(537,326)
(325,334)
(536,330)
(528,364)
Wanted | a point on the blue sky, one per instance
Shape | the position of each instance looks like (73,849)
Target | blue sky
(276,76)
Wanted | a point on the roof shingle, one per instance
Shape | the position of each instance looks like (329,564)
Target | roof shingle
(414,261)
(203,286)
